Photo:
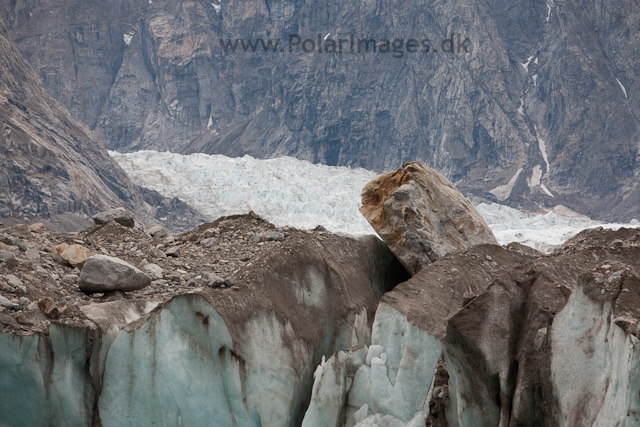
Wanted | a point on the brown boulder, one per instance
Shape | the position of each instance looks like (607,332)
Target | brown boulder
(76,255)
(422,216)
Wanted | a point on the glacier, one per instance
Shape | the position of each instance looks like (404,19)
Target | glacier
(288,191)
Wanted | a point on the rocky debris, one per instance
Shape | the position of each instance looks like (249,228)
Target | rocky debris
(76,255)
(272,310)
(215,281)
(119,215)
(6,256)
(422,216)
(268,236)
(70,279)
(198,266)
(32,316)
(102,273)
(16,284)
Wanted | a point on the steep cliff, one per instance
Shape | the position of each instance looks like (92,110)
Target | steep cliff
(51,165)
(540,111)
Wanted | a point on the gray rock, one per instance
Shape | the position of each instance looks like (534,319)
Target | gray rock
(214,280)
(154,270)
(6,303)
(70,279)
(6,288)
(24,301)
(32,254)
(6,256)
(119,215)
(211,232)
(157,253)
(13,281)
(103,273)
(157,231)
(268,236)
(174,251)
(209,242)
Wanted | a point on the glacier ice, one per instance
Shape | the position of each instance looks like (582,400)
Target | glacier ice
(285,191)
(288,191)
(386,384)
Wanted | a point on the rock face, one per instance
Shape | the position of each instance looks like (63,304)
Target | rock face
(507,120)
(422,216)
(103,273)
(50,163)
(52,166)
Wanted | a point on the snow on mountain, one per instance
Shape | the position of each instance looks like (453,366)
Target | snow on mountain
(288,191)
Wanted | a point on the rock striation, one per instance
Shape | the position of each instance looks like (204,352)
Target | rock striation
(422,216)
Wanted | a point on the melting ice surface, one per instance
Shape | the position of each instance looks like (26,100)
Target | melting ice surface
(288,191)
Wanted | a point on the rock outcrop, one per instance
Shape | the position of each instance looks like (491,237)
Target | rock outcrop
(52,167)
(422,216)
(531,115)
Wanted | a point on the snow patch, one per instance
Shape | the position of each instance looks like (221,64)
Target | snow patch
(288,191)
(542,232)
(127,38)
(217,7)
(521,107)
(210,122)
(548,12)
(546,190)
(623,88)
(525,65)
(535,79)
(542,146)
(327,36)
(536,177)
(503,192)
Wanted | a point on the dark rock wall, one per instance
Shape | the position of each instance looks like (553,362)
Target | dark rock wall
(477,117)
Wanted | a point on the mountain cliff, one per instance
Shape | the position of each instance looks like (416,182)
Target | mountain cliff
(52,165)
(541,111)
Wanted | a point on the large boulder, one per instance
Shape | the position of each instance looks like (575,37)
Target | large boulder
(422,216)
(103,273)
(119,215)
